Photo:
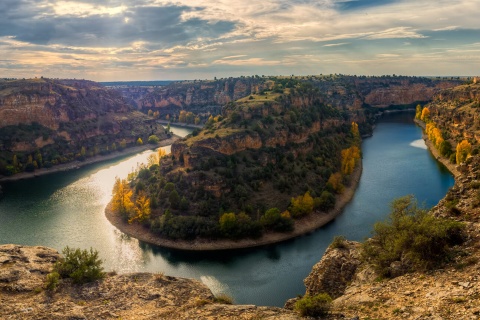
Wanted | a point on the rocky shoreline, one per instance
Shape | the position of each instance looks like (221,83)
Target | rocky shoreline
(78,164)
(303,226)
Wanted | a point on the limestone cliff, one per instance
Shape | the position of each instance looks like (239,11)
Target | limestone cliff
(349,92)
(52,120)
(23,272)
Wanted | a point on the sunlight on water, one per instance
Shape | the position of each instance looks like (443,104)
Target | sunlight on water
(419,144)
(215,285)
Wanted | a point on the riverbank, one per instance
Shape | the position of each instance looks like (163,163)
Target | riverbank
(179,124)
(78,164)
(436,154)
(303,226)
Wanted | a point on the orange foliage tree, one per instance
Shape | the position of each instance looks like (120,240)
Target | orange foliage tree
(121,202)
(464,150)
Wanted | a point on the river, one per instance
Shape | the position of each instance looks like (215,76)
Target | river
(68,209)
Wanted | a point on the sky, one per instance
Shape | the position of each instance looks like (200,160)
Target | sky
(120,40)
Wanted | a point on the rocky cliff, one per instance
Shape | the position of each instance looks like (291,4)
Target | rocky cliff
(452,292)
(23,273)
(349,92)
(52,120)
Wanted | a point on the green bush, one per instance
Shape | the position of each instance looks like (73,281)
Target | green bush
(339,242)
(411,240)
(52,281)
(81,266)
(315,306)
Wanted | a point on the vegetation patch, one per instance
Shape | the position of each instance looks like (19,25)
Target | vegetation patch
(411,240)
(81,266)
(314,306)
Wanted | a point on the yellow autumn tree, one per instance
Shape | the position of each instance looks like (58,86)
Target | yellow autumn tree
(418,112)
(122,202)
(464,150)
(139,141)
(182,117)
(301,205)
(152,160)
(350,157)
(335,181)
(434,134)
(161,153)
(355,132)
(425,114)
(142,208)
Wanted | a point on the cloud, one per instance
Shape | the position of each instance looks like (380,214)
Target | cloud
(147,39)
(396,33)
(335,44)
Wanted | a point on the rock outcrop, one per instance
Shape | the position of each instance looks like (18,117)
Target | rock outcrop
(23,271)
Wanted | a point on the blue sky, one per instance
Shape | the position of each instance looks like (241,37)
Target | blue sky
(108,40)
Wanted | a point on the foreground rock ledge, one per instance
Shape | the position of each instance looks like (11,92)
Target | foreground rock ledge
(129,296)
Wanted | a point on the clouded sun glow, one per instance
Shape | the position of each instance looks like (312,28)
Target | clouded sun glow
(152,39)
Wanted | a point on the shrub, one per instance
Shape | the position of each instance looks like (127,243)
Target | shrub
(81,266)
(339,242)
(411,240)
(314,306)
(52,281)
(153,139)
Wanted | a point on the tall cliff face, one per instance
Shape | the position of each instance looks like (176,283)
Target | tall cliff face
(57,118)
(136,296)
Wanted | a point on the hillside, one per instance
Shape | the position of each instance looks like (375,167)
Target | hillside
(205,97)
(450,290)
(44,122)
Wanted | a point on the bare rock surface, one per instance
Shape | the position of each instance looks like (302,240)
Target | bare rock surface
(23,271)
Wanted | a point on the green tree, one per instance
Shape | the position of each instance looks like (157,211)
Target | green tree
(411,239)
(174,199)
(153,139)
(81,266)
(228,224)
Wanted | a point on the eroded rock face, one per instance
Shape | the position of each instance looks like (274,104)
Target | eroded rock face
(335,271)
(130,296)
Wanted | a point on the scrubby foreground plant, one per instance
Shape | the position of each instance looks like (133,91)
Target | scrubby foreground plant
(81,266)
(411,240)
(314,306)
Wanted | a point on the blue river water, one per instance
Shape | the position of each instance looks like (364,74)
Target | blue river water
(68,209)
